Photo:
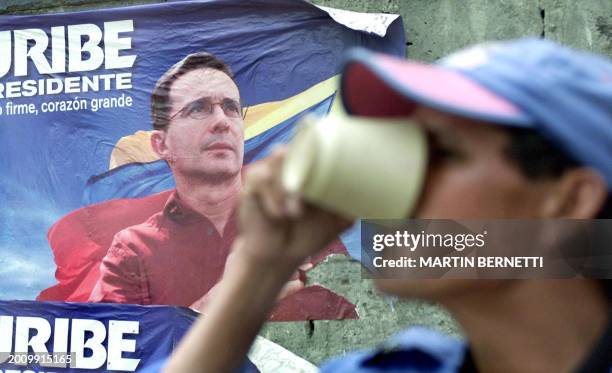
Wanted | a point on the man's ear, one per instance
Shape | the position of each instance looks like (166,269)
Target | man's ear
(158,144)
(580,193)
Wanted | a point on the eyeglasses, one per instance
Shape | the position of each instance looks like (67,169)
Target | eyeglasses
(203,107)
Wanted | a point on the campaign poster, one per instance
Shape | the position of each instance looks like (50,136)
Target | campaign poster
(125,133)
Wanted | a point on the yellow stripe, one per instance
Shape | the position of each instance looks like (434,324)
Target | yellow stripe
(259,118)
(133,148)
(262,117)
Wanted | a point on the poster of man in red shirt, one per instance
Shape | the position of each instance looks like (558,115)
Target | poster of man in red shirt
(178,254)
(144,180)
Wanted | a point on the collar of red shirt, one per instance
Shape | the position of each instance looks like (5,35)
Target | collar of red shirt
(178,212)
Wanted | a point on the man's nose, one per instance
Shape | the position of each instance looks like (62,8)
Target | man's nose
(221,121)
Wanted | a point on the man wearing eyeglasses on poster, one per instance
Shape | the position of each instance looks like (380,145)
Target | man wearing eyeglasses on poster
(178,254)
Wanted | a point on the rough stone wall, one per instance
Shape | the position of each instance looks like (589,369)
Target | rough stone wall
(433,29)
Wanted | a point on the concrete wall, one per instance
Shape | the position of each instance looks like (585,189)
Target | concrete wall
(433,29)
(436,27)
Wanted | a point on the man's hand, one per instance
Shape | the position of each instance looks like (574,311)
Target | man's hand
(278,227)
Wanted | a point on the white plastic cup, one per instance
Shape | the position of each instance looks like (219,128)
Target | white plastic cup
(359,167)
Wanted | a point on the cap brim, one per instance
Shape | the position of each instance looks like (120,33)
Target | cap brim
(378,85)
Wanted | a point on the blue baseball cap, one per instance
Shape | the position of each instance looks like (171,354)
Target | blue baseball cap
(564,94)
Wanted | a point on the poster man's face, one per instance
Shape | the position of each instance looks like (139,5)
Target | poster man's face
(205,137)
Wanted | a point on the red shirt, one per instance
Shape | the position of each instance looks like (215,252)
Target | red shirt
(175,257)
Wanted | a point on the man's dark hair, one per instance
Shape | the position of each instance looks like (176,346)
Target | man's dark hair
(160,99)
(539,158)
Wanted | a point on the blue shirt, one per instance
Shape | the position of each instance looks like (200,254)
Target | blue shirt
(413,350)
(422,350)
